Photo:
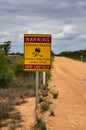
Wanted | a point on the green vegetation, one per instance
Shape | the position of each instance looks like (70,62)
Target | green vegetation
(52,113)
(6,74)
(77,55)
(45,106)
(55,94)
(19,70)
(5,47)
(44,90)
(30,84)
(40,125)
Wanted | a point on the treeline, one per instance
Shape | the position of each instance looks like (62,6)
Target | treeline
(78,55)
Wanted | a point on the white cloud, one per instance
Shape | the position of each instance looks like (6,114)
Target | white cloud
(82,37)
(68,32)
(69,29)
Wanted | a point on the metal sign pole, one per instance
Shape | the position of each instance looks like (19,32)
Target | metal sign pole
(37,83)
(44,78)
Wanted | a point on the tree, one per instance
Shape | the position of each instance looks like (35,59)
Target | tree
(5,47)
(5,73)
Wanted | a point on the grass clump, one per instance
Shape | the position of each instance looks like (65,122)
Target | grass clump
(55,94)
(30,85)
(45,106)
(4,110)
(52,113)
(40,99)
(40,125)
(44,90)
(44,93)
(12,127)
(44,87)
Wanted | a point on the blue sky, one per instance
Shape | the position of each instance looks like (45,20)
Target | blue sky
(65,20)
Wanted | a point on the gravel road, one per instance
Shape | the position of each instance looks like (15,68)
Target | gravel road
(69,78)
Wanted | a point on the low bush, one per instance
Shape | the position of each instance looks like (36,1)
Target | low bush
(5,107)
(40,99)
(44,93)
(6,74)
(30,85)
(52,113)
(40,125)
(45,106)
(55,94)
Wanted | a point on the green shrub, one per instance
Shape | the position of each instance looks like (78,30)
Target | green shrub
(44,87)
(44,90)
(44,93)
(55,94)
(13,127)
(40,124)
(4,110)
(45,106)
(40,99)
(52,113)
(19,70)
(6,74)
(30,85)
(48,75)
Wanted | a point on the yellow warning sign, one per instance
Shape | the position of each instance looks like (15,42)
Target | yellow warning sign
(37,52)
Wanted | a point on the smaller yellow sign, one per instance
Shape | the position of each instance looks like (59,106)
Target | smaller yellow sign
(37,52)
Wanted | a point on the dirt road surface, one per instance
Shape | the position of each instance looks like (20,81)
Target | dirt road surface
(69,78)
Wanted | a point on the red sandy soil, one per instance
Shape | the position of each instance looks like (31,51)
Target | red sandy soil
(69,78)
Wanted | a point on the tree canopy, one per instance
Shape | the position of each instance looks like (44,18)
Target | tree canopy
(5,47)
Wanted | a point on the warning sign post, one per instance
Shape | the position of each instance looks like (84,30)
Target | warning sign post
(37,56)
(37,52)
